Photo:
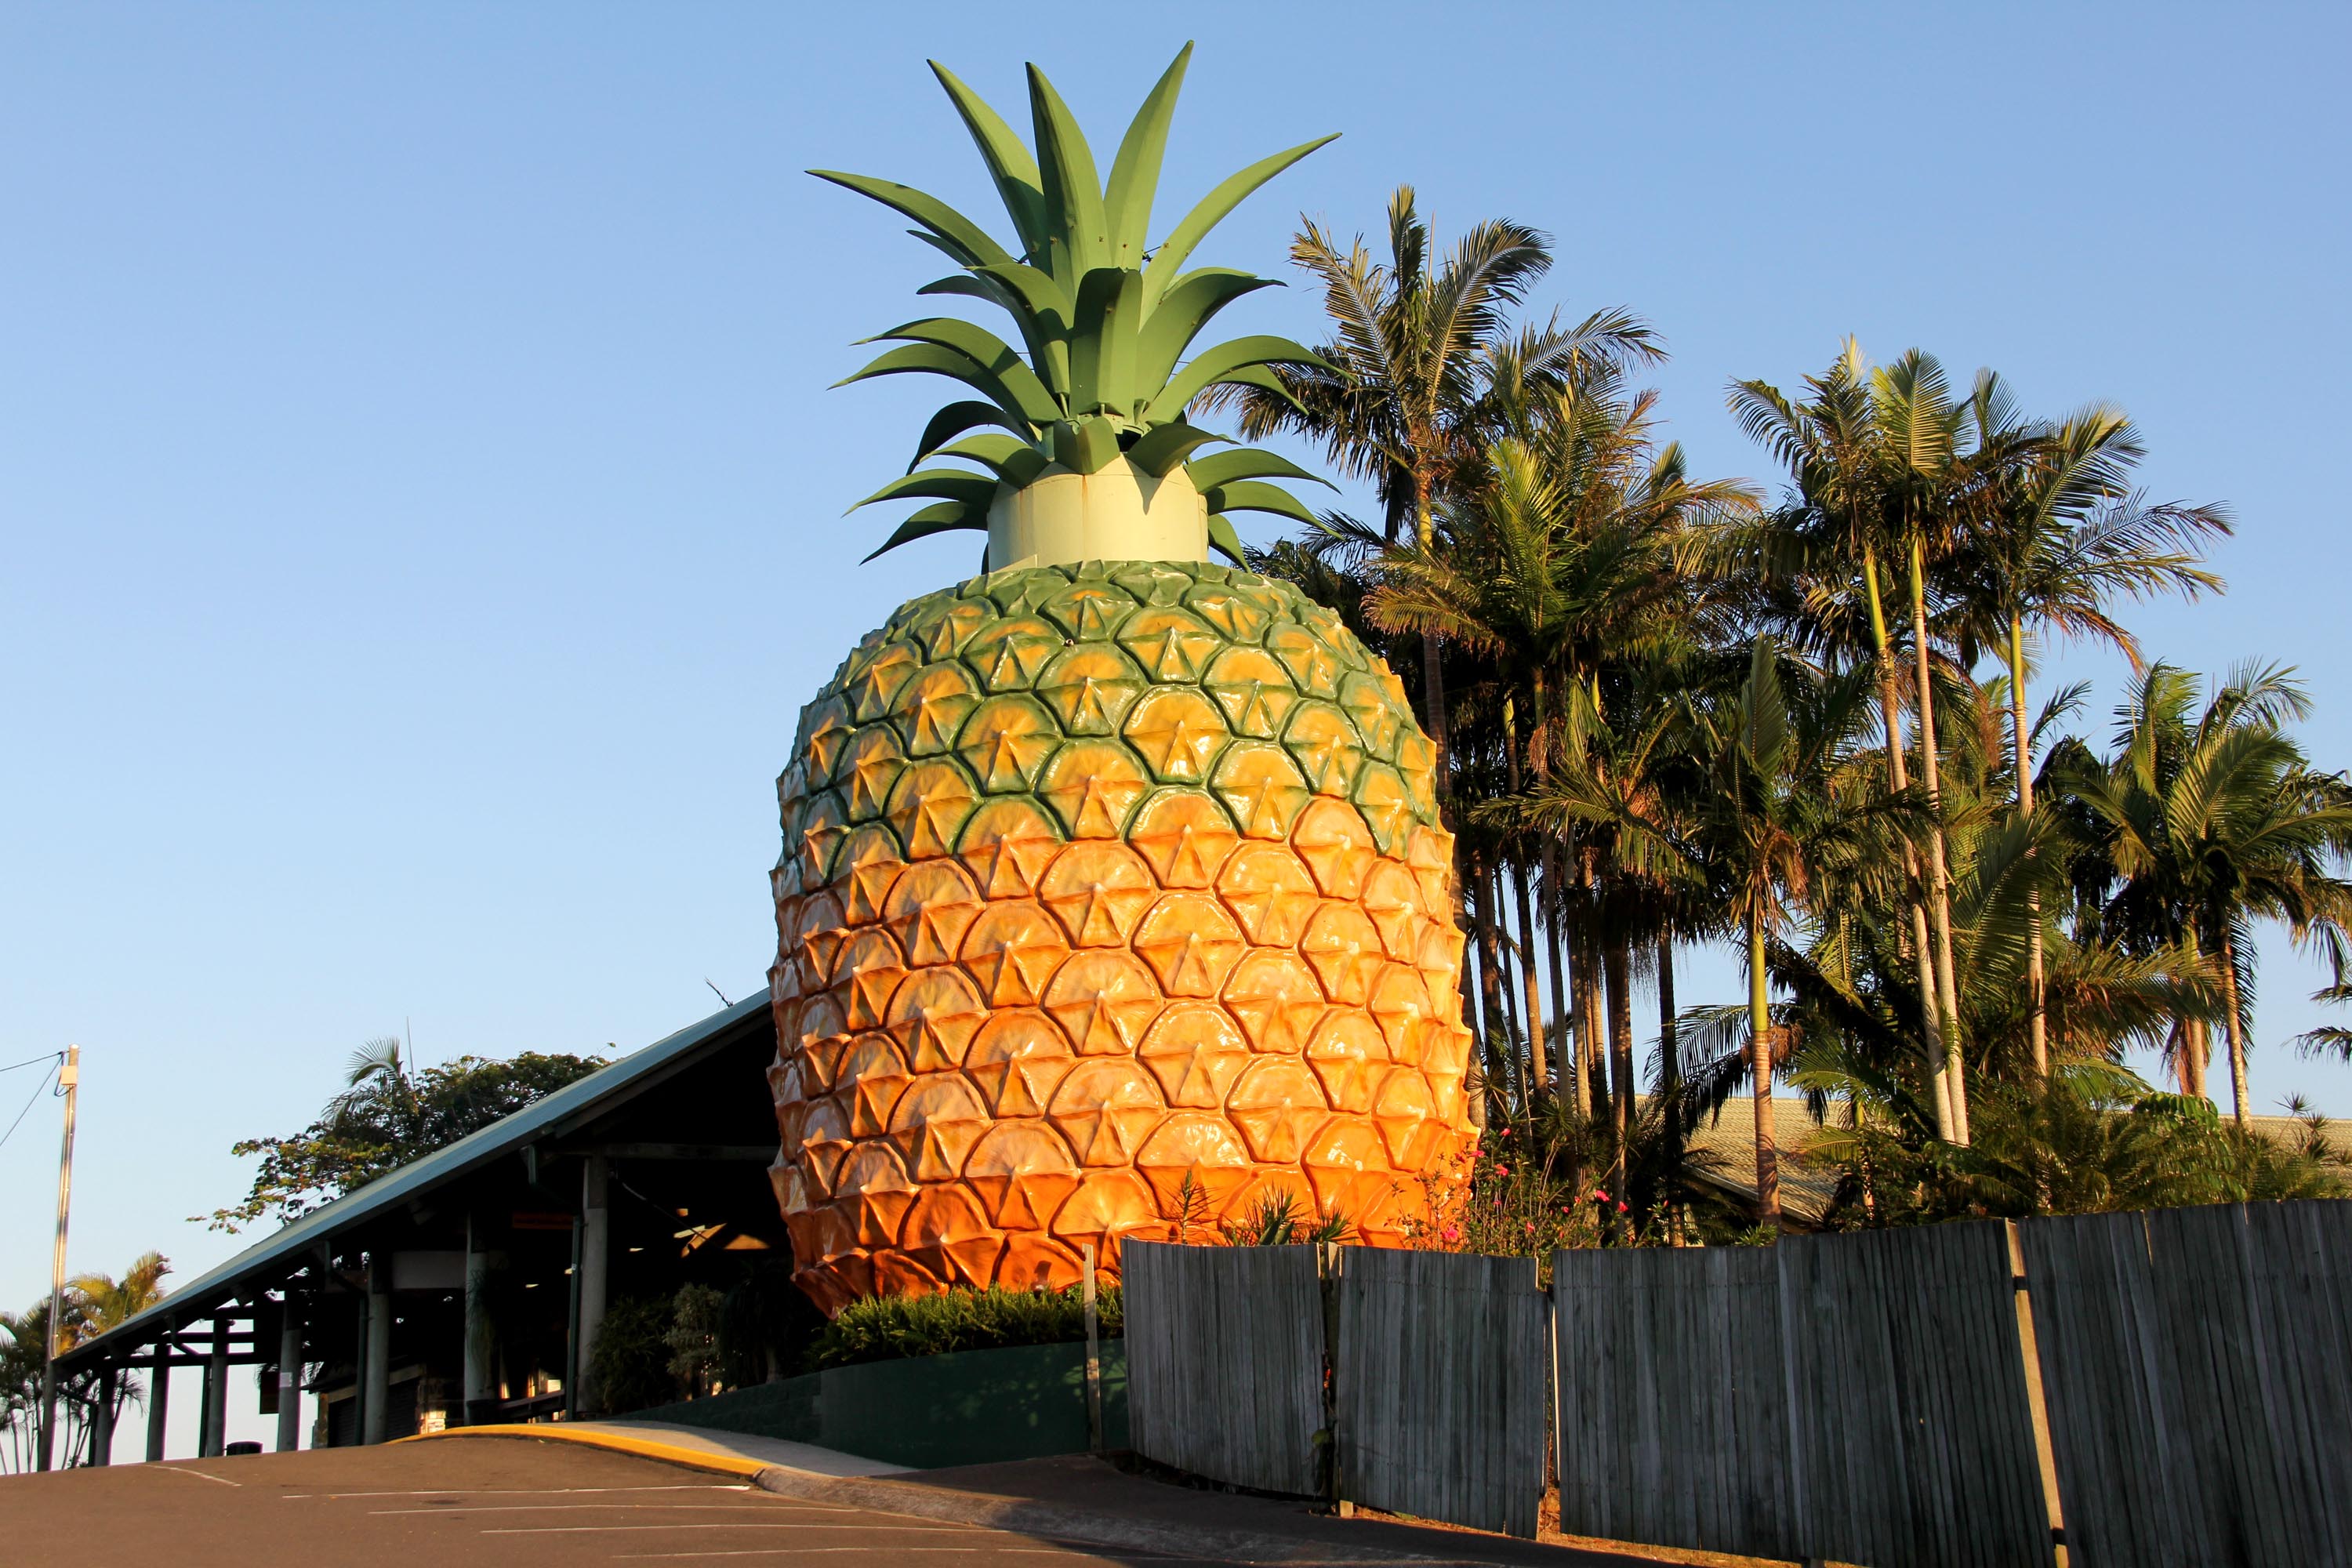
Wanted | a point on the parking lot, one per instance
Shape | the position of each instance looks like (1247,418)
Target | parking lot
(467,1505)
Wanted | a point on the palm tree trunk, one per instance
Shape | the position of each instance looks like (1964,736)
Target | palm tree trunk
(1759,1049)
(1938,1080)
(1539,756)
(1432,668)
(1585,976)
(1469,981)
(1490,979)
(1939,885)
(1617,959)
(1513,1054)
(1589,1008)
(1670,1066)
(2037,1027)
(1556,944)
(2232,1024)
(1538,1078)
(2192,1050)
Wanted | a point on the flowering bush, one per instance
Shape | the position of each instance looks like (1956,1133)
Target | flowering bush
(1533,1187)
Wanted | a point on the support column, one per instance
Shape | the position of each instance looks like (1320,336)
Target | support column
(216,1392)
(101,1418)
(375,1378)
(159,1402)
(289,1377)
(482,1337)
(204,1406)
(595,1254)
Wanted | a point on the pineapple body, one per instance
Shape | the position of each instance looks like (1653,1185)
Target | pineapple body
(1113,897)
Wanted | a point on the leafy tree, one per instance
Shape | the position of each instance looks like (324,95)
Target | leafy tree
(93,1304)
(2202,823)
(1785,814)
(2061,536)
(388,1115)
(1419,348)
(633,1361)
(1805,561)
(2085,1143)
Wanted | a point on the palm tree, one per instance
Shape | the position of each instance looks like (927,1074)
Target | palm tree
(2061,535)
(1920,429)
(376,1078)
(1407,400)
(1557,573)
(1786,812)
(100,1302)
(2204,822)
(1829,537)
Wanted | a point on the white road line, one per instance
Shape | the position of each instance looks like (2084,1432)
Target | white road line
(783,1552)
(1028,1551)
(780,1524)
(184,1470)
(525,1491)
(576,1507)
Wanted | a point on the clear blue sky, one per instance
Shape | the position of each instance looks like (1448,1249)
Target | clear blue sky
(421,499)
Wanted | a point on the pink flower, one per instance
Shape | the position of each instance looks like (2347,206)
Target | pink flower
(1502,1170)
(1600,1196)
(1451,1234)
(1623,1209)
(1531,1227)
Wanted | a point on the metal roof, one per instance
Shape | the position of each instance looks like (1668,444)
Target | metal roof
(563,1113)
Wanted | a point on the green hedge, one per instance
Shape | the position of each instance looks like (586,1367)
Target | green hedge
(885,1328)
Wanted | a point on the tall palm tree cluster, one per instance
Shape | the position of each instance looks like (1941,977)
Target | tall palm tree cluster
(1804,724)
(93,1304)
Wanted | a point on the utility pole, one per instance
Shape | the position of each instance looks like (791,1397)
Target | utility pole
(68,1084)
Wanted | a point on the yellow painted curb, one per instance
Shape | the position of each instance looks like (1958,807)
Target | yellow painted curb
(643,1447)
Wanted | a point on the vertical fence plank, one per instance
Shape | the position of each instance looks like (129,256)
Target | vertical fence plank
(1856,1398)
(1672,1398)
(1225,1361)
(2092,1292)
(1438,1379)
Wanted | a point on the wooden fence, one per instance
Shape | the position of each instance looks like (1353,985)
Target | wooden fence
(1436,1375)
(2102,1391)
(1671,1390)
(1854,1398)
(1438,1384)
(2199,1368)
(1225,1360)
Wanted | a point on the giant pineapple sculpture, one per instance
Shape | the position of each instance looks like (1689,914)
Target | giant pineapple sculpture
(1114,897)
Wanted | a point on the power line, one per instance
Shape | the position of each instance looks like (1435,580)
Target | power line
(28,1061)
(24,1113)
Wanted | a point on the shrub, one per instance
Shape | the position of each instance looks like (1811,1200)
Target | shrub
(693,1337)
(1279,1219)
(632,1358)
(882,1327)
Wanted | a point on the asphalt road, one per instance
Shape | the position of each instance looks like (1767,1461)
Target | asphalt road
(471,1505)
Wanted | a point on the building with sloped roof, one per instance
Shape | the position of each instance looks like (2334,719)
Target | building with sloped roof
(469,1286)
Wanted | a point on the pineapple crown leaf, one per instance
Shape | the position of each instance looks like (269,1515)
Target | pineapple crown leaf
(1104,321)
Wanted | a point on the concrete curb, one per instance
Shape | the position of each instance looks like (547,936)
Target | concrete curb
(643,1447)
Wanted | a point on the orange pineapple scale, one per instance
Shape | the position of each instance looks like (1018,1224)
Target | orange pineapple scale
(1102,884)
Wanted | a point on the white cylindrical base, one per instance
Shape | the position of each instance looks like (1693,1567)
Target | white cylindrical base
(1117,514)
